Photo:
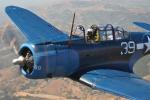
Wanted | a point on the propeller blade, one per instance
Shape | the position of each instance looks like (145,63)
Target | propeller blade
(19,61)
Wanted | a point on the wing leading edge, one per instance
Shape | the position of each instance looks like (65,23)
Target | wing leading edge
(117,82)
(33,27)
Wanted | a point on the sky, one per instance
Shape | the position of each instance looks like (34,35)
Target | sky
(26,3)
(88,11)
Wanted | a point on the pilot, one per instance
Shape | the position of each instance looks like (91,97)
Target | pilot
(93,34)
(90,36)
(96,34)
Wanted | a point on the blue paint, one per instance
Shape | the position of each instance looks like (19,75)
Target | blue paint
(117,82)
(55,62)
(53,57)
(33,27)
(143,25)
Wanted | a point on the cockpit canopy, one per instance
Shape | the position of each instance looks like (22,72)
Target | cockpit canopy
(101,33)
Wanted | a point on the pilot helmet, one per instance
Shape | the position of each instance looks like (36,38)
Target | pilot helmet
(89,30)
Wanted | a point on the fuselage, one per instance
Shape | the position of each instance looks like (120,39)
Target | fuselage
(74,58)
(111,54)
(49,52)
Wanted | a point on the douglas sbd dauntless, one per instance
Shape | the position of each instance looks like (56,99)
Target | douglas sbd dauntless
(101,57)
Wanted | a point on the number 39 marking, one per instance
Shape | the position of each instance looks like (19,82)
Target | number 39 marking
(128,48)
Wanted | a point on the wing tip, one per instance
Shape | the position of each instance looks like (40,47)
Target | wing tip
(138,22)
(143,25)
(134,22)
(11,8)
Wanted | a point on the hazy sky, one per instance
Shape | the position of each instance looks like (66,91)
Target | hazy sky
(88,11)
(4,3)
(30,2)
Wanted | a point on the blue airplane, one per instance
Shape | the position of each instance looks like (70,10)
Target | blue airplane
(101,57)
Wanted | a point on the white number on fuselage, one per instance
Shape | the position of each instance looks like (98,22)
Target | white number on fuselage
(128,47)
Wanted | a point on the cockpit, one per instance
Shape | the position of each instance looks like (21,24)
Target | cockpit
(97,33)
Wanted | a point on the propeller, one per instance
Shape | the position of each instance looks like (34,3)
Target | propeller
(19,61)
(26,62)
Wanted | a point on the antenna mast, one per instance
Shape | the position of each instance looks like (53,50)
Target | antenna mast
(72,28)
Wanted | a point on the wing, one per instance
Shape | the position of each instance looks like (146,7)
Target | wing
(33,27)
(143,25)
(117,82)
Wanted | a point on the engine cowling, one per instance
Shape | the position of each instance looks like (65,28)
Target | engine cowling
(48,61)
